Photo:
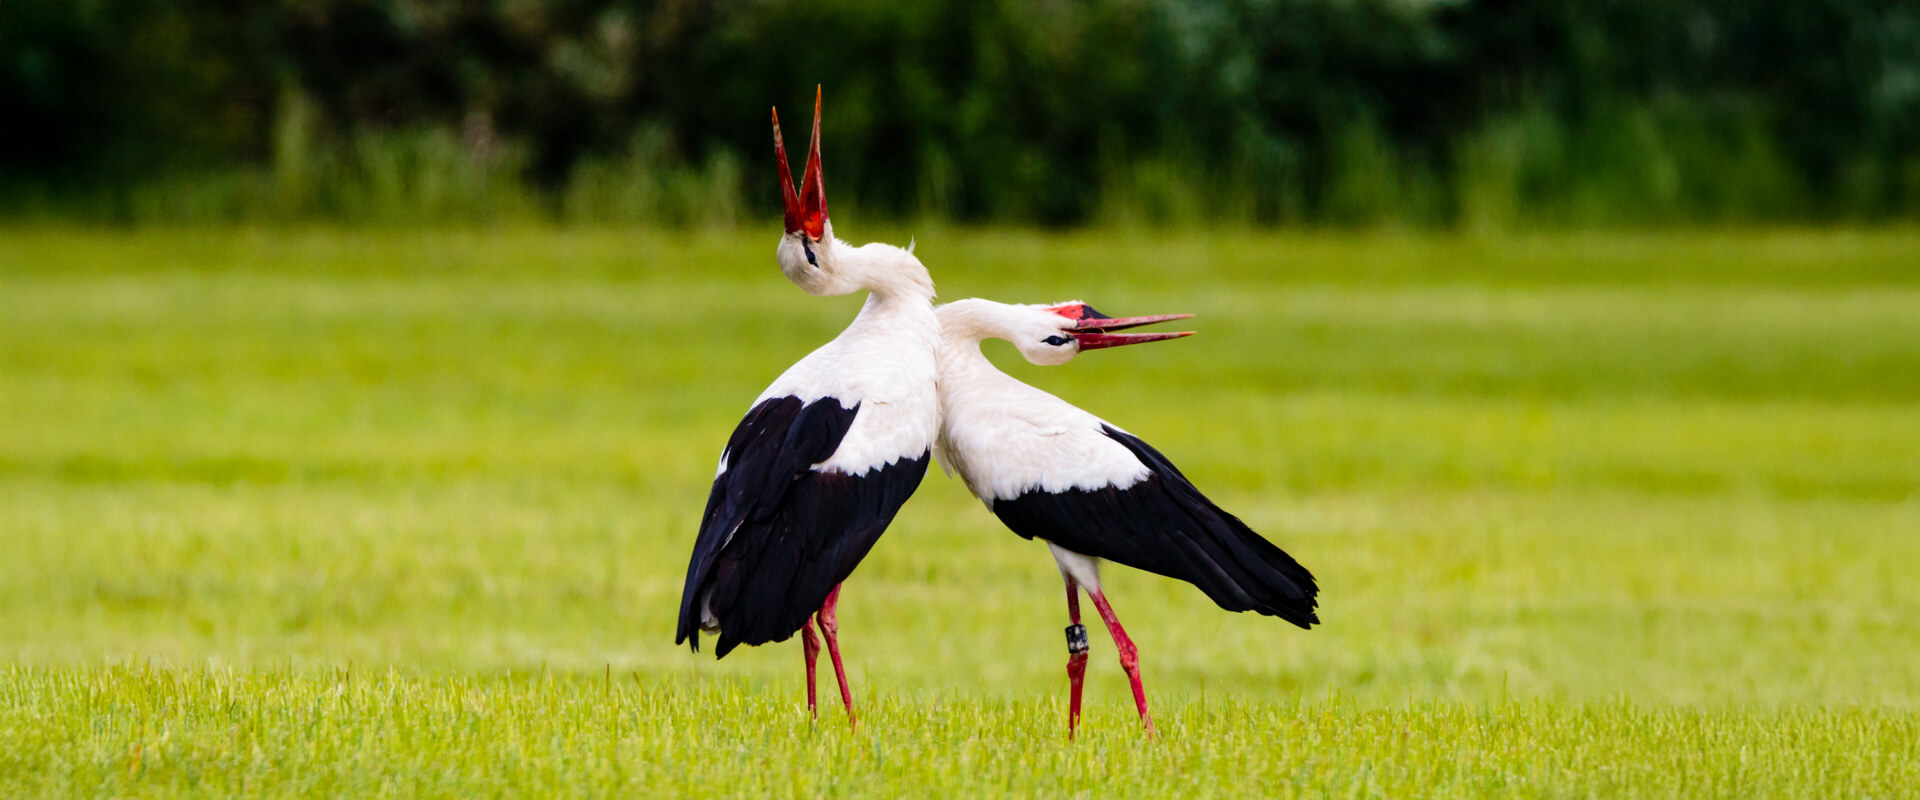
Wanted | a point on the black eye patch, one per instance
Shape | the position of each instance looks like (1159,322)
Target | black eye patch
(1056,340)
(809,249)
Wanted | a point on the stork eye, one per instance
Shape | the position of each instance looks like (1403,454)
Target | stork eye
(809,249)
(1056,340)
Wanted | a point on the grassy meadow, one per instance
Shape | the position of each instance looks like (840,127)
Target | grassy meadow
(401,513)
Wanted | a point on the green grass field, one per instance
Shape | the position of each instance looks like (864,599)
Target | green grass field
(358,514)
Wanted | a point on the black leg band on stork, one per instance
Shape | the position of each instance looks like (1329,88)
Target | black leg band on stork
(1076,639)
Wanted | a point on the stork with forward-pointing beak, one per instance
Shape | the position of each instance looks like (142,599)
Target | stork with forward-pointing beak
(1090,490)
(827,454)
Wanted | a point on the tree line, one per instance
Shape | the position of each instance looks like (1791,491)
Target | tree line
(1419,112)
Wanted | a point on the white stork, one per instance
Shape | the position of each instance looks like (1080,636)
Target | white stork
(1090,490)
(827,454)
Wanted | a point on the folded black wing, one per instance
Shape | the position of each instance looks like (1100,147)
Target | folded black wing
(1164,525)
(777,536)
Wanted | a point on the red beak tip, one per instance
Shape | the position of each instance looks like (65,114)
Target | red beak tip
(1100,340)
(1122,323)
(813,188)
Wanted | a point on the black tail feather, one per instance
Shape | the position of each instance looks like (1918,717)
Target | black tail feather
(1164,525)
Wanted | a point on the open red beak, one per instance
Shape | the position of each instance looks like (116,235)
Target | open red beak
(806,212)
(1094,330)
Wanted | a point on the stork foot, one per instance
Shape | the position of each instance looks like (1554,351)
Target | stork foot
(1129,657)
(1076,676)
(1076,657)
(810,645)
(830,630)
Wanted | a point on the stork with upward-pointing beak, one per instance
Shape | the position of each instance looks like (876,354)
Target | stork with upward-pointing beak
(827,454)
(1092,491)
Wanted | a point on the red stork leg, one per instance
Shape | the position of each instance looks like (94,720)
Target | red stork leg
(1076,656)
(1129,655)
(810,644)
(830,630)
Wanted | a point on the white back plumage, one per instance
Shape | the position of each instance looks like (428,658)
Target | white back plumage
(886,362)
(1006,438)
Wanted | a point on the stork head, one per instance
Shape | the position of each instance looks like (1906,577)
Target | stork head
(812,258)
(1048,334)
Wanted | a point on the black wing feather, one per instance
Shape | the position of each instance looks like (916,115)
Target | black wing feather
(777,536)
(1166,526)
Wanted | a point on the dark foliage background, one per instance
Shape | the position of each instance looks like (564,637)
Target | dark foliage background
(1565,112)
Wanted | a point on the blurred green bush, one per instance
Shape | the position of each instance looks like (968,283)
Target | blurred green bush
(1239,112)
